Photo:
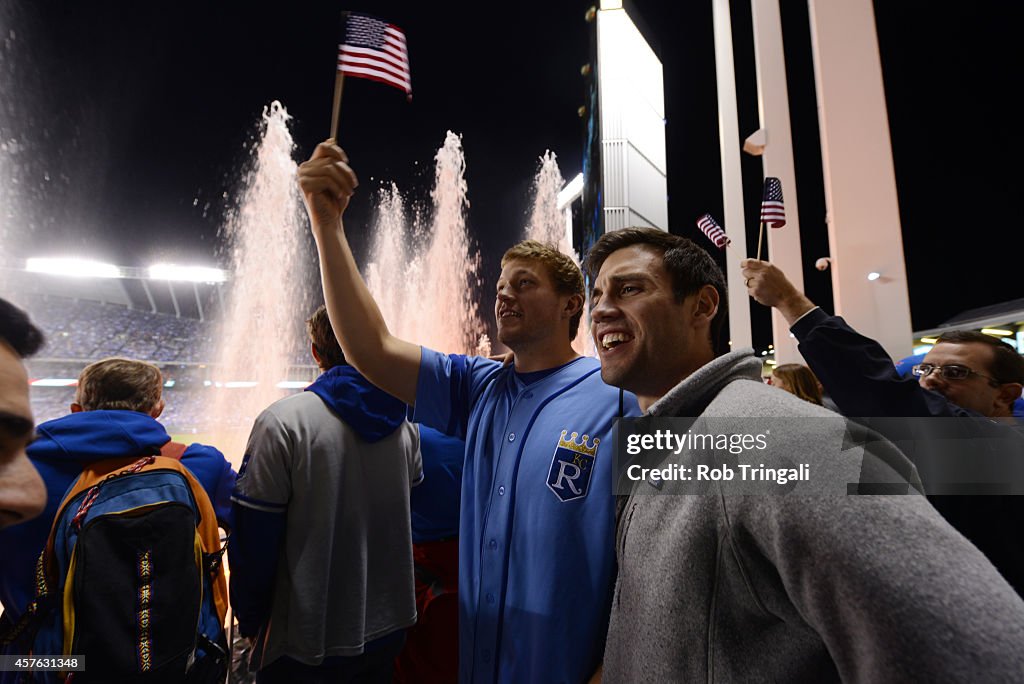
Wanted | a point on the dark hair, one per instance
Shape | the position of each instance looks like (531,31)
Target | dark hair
(17,330)
(799,380)
(321,334)
(689,266)
(1006,366)
(564,272)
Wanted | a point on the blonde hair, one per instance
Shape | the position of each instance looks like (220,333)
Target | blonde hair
(564,272)
(118,384)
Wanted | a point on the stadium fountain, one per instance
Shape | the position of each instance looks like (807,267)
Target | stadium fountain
(424,274)
(547,224)
(260,331)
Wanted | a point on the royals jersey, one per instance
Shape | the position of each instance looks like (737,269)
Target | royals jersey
(537,525)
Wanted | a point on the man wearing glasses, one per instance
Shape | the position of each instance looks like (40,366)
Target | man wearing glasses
(966,374)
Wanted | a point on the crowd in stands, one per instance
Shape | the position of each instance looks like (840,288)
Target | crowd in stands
(90,330)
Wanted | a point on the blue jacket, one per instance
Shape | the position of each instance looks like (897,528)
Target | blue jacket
(435,503)
(64,447)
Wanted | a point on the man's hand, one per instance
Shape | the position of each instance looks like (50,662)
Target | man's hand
(327,184)
(768,285)
(505,359)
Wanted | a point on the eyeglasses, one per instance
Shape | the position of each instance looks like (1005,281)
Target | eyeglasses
(951,372)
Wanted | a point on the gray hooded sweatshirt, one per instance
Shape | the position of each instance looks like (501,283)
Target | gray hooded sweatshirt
(813,587)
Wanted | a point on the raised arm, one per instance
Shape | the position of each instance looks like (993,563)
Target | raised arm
(858,374)
(327,184)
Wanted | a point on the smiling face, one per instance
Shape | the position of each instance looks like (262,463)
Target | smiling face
(22,495)
(647,340)
(527,307)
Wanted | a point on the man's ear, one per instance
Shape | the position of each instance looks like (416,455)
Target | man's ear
(158,409)
(706,304)
(76,407)
(1009,392)
(573,306)
(315,353)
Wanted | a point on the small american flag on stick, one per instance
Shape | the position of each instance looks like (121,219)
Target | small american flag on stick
(772,211)
(710,227)
(374,49)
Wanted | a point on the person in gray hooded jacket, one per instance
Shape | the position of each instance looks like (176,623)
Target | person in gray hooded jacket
(810,585)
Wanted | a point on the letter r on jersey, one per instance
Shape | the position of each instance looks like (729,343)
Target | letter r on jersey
(569,474)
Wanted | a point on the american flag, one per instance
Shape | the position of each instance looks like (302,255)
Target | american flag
(772,211)
(374,49)
(710,227)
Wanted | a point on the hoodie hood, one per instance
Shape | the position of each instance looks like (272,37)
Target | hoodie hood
(92,435)
(371,412)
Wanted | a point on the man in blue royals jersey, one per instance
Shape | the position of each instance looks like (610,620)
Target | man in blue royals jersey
(536,549)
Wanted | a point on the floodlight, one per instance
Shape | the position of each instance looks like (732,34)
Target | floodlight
(192,274)
(240,384)
(292,384)
(75,268)
(54,382)
(997,332)
(874,275)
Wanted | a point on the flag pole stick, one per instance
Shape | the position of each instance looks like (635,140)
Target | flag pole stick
(339,83)
(760,236)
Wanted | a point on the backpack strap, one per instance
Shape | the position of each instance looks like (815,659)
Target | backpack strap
(173,450)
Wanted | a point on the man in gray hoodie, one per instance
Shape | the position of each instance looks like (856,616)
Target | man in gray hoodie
(809,585)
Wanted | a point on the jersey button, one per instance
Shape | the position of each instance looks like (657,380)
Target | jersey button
(501,491)
(486,655)
(511,436)
(490,598)
(493,543)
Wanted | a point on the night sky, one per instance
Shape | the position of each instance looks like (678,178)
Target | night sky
(130,122)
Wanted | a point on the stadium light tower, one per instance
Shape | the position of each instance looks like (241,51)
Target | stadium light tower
(189,274)
(72,268)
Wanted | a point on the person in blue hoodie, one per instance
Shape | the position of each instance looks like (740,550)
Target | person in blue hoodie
(321,558)
(114,415)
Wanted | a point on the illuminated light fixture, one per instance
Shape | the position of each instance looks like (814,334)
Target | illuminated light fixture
(772,362)
(764,353)
(929,340)
(997,332)
(570,192)
(874,275)
(239,384)
(292,384)
(169,383)
(54,382)
(191,274)
(206,383)
(74,268)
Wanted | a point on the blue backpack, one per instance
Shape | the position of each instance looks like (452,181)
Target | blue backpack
(131,577)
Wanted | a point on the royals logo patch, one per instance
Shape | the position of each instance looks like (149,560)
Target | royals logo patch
(572,466)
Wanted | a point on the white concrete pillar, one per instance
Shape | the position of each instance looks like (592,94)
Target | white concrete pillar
(860,182)
(773,107)
(732,177)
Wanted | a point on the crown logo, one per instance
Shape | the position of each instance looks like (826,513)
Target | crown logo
(579,448)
